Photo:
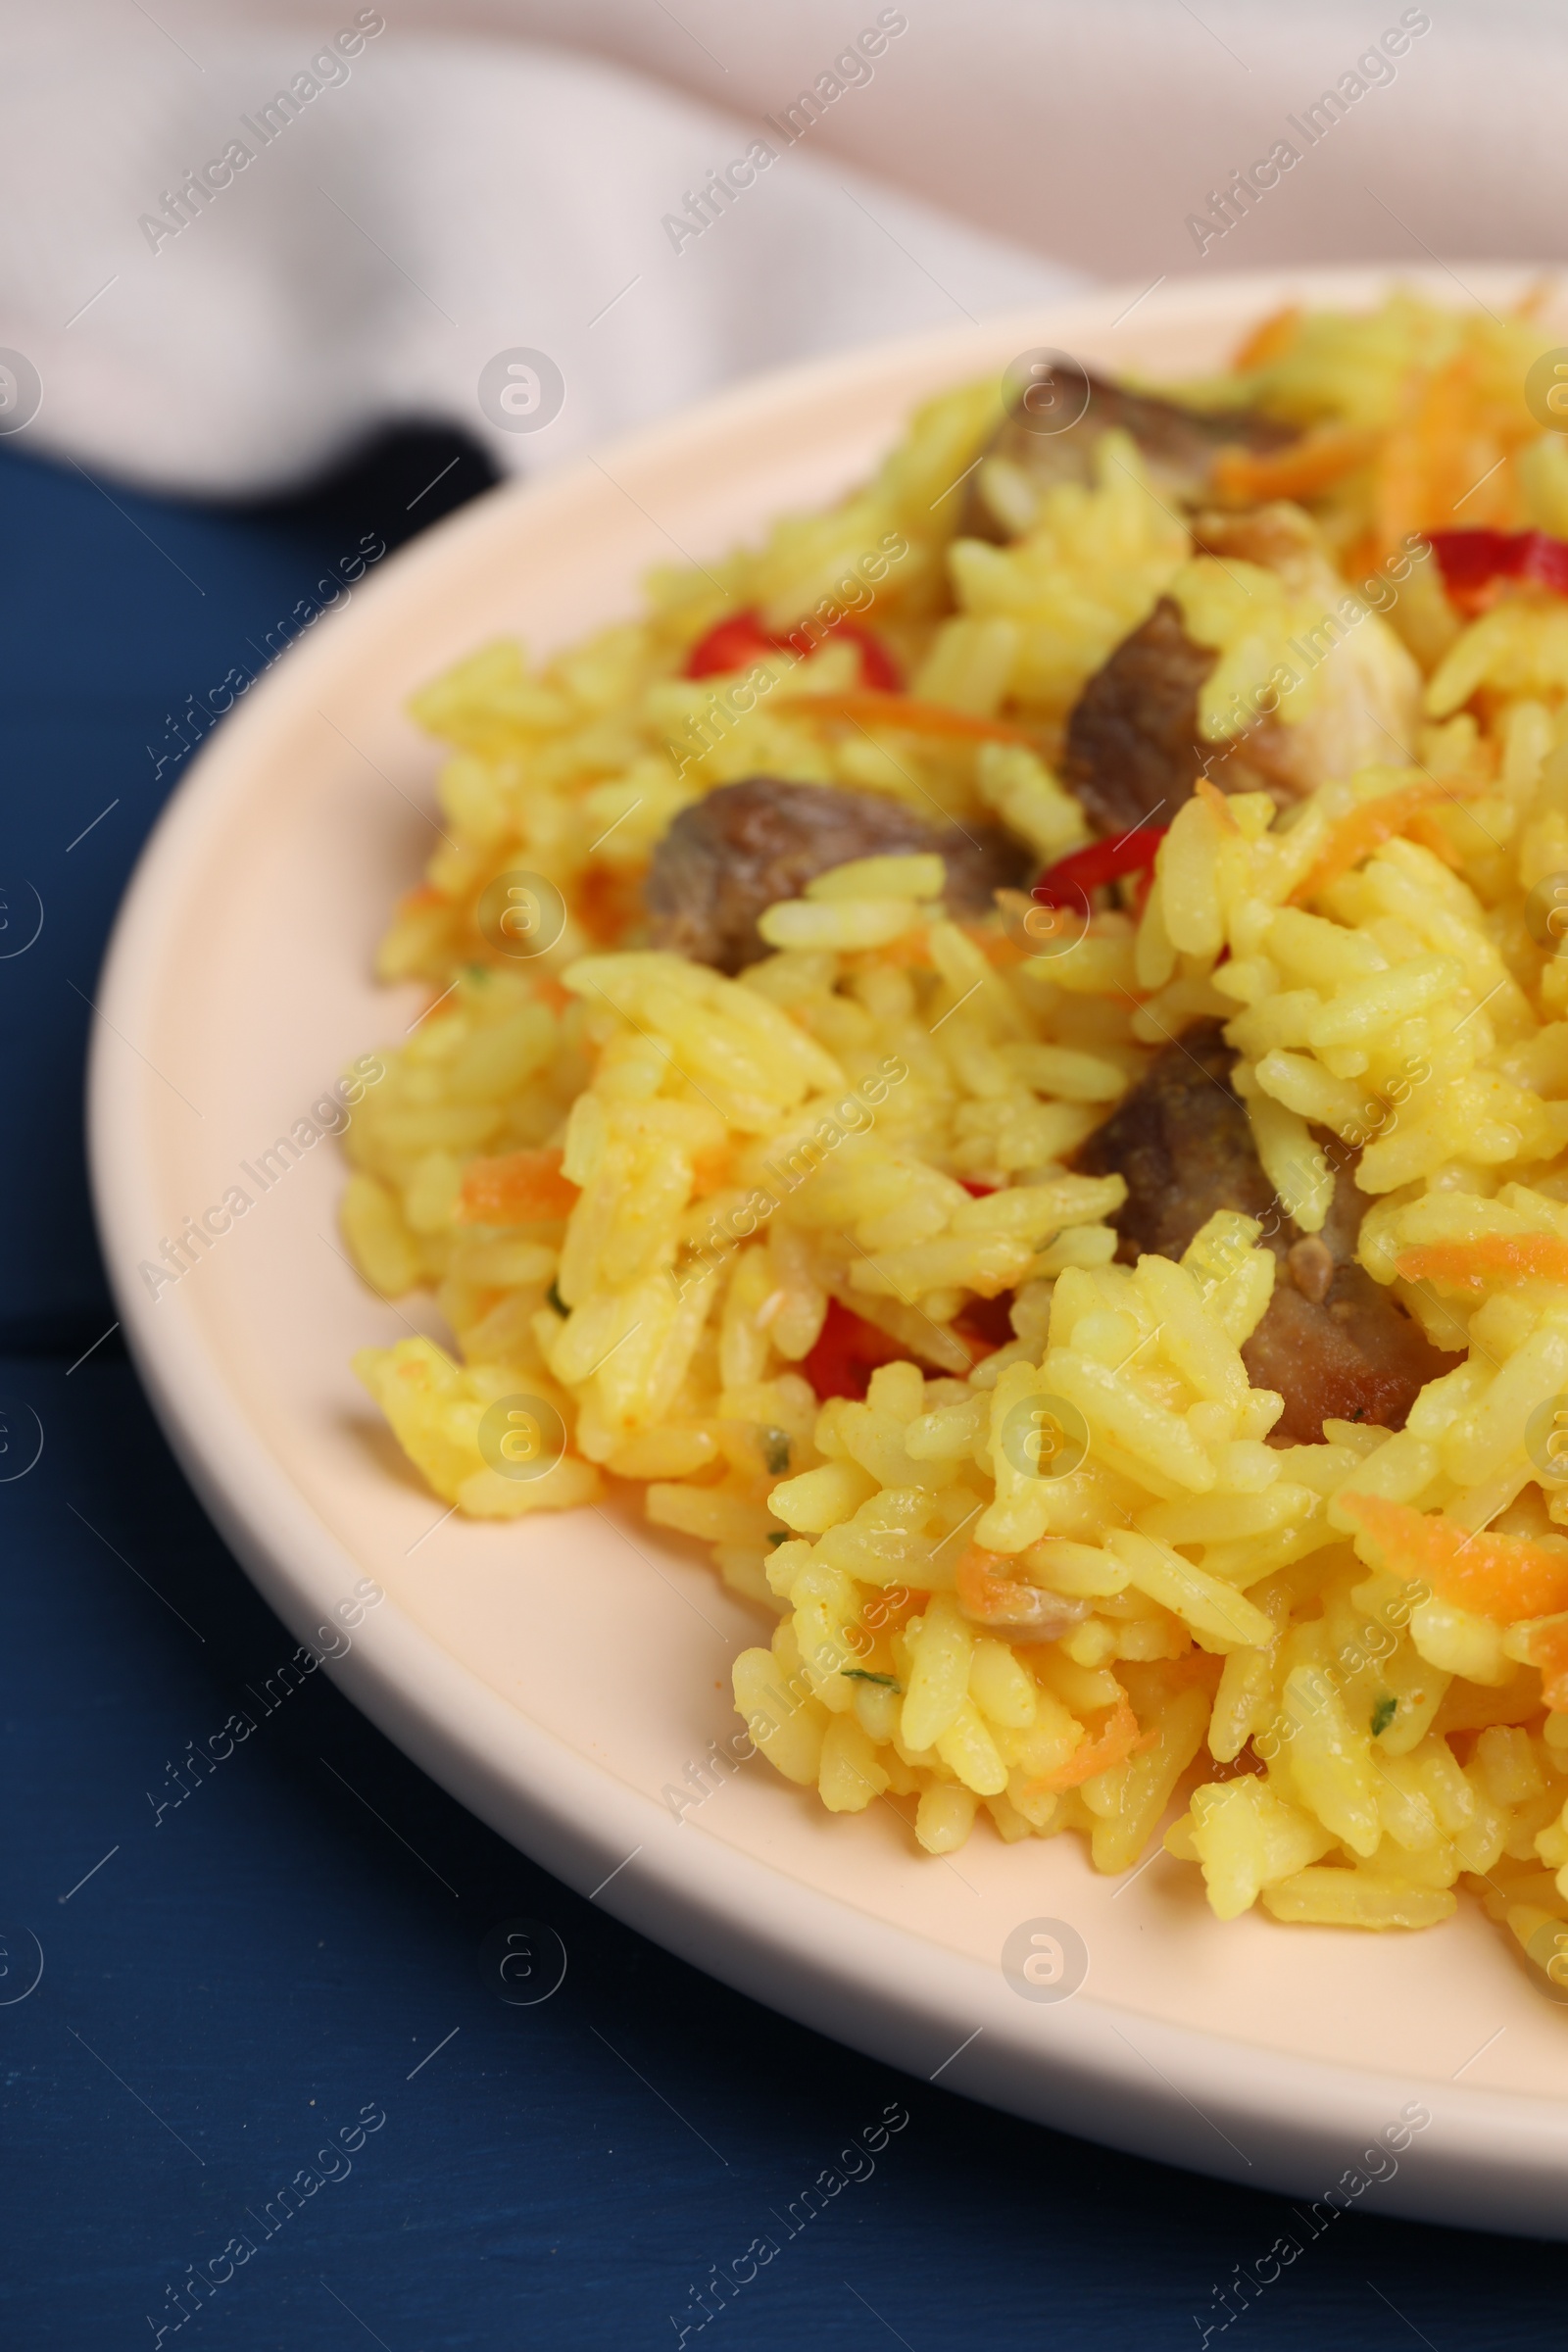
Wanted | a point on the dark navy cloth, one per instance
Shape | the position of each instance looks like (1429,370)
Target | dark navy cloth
(268,2089)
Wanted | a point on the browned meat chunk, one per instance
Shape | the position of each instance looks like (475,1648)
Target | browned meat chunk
(1133,756)
(1333,1344)
(1183,1143)
(733,854)
(1367,706)
(1354,1356)
(1179,446)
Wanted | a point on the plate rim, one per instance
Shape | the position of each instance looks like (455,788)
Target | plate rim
(1488,2158)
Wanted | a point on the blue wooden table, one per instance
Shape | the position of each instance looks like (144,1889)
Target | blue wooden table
(268,2090)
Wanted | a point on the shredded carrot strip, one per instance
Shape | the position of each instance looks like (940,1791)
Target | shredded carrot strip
(985,1589)
(551,993)
(1428,828)
(905,953)
(1503,1577)
(995,946)
(1548,1649)
(1115,1743)
(1368,827)
(1442,454)
(524,1187)
(710,1171)
(1217,804)
(893,1607)
(1399,484)
(1197,1668)
(1312,464)
(606,904)
(900,710)
(1268,341)
(1471,1266)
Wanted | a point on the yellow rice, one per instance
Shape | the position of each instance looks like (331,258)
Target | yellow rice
(1348,1745)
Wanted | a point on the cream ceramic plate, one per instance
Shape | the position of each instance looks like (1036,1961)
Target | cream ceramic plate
(558,1674)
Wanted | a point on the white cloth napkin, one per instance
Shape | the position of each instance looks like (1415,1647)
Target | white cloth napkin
(452,215)
(216,296)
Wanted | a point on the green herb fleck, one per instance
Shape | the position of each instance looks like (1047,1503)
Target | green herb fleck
(557,1301)
(775,1444)
(1384,1707)
(778,1534)
(859,1673)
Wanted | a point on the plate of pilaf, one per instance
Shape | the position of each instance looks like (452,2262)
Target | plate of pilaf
(842,1149)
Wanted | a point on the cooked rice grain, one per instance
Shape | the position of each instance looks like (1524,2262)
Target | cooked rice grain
(688,1174)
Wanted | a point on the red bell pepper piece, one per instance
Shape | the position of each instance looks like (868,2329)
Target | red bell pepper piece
(741,639)
(1472,561)
(979,1191)
(848,1351)
(1072,877)
(732,644)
